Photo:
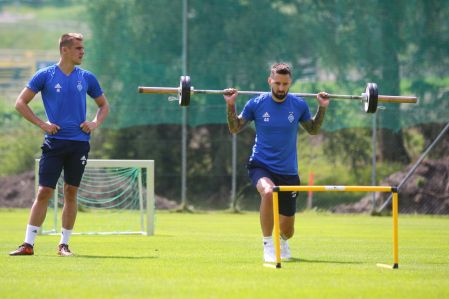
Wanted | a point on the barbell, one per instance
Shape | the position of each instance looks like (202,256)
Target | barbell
(369,98)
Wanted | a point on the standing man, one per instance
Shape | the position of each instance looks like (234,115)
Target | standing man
(67,133)
(273,161)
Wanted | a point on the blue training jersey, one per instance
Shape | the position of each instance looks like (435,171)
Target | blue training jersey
(64,98)
(276,131)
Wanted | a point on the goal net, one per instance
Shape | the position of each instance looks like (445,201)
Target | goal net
(114,197)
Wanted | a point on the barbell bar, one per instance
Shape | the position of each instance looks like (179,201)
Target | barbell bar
(369,98)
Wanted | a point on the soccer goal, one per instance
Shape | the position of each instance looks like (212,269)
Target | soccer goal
(114,197)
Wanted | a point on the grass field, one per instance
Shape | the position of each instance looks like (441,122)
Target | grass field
(218,255)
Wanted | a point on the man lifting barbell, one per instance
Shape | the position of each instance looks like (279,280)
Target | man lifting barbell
(276,115)
(273,161)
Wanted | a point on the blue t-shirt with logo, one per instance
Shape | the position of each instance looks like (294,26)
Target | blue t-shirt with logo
(276,131)
(64,98)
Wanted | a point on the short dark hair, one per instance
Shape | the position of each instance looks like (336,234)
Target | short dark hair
(281,68)
(66,40)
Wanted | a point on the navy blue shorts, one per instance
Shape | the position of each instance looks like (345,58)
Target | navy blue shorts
(58,154)
(287,200)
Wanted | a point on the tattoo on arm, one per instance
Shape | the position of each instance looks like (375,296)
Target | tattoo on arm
(313,125)
(235,123)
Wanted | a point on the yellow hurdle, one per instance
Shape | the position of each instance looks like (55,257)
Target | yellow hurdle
(393,190)
(277,240)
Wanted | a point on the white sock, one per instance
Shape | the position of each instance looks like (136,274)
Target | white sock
(31,234)
(65,236)
(267,240)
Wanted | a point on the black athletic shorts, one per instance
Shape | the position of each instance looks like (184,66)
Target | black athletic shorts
(58,154)
(287,199)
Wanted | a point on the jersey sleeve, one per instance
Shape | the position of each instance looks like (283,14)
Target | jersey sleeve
(305,115)
(37,82)
(248,111)
(94,89)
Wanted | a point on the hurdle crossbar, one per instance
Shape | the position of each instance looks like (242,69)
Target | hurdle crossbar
(392,189)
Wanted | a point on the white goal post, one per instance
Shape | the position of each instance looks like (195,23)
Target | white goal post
(143,198)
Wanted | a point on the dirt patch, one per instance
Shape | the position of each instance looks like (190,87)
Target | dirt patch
(425,192)
(18,192)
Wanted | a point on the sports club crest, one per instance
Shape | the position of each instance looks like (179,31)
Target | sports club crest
(291,117)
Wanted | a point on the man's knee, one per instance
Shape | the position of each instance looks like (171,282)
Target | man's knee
(44,193)
(265,188)
(70,192)
(267,195)
(287,233)
(287,226)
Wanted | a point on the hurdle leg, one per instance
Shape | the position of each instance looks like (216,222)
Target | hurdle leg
(276,229)
(395,231)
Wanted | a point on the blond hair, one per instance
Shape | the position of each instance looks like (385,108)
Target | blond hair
(66,40)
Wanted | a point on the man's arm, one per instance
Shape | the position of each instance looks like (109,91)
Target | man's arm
(22,107)
(235,123)
(313,125)
(100,116)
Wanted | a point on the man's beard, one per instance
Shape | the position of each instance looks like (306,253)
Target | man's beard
(279,96)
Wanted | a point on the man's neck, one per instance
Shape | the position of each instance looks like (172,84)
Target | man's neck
(66,68)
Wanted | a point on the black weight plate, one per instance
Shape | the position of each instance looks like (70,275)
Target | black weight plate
(184,91)
(372,94)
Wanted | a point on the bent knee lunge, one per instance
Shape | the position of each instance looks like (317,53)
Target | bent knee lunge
(287,234)
(265,187)
(287,226)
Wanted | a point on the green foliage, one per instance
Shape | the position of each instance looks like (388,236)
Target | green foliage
(337,46)
(421,182)
(19,140)
(354,163)
(40,27)
(218,255)
(414,142)
(208,156)
(317,157)
(18,147)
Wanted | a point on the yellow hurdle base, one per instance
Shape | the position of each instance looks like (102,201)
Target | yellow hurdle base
(394,266)
(274,266)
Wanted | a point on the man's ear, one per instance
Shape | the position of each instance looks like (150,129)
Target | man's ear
(64,49)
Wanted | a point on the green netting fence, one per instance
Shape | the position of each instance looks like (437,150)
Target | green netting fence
(336,46)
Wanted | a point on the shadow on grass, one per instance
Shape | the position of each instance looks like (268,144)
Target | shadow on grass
(302,260)
(113,257)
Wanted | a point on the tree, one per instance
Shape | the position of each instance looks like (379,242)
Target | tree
(232,43)
(391,142)
(362,39)
(139,42)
